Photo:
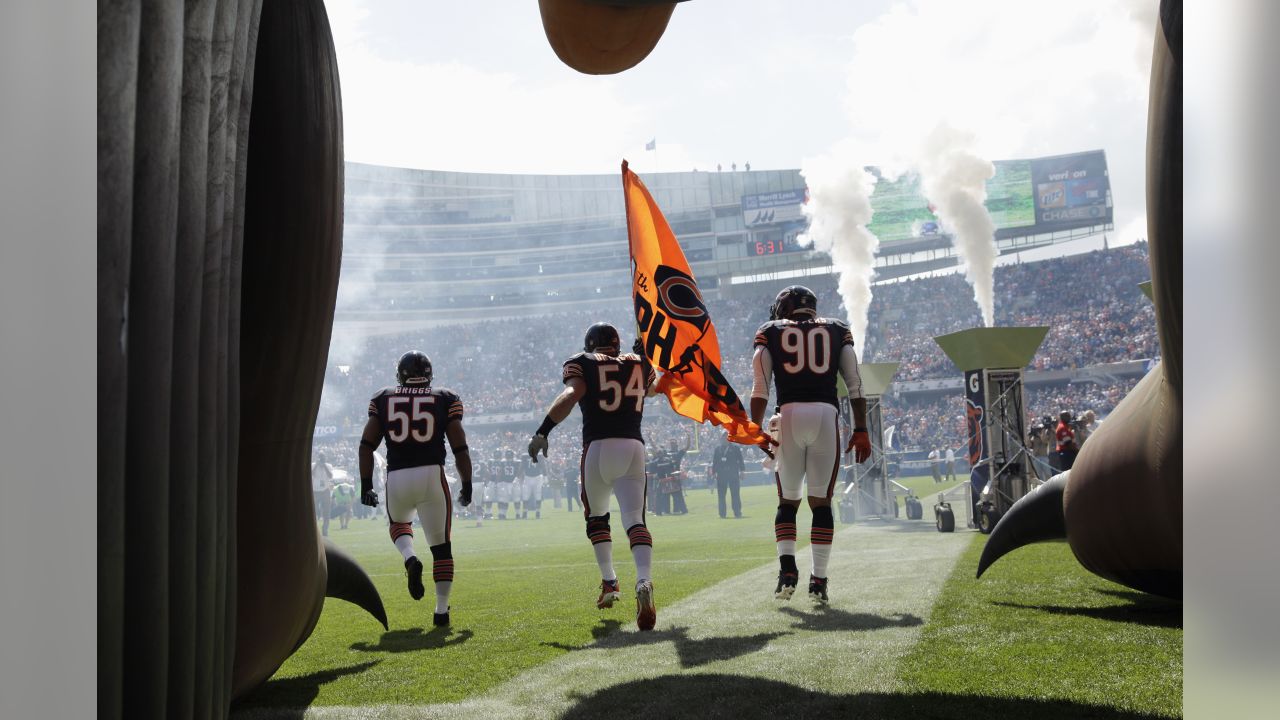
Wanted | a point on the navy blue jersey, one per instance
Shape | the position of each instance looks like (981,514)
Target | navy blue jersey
(508,470)
(413,420)
(613,404)
(532,469)
(805,356)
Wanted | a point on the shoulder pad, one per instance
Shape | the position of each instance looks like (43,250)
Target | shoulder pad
(577,356)
(389,390)
(835,321)
(772,324)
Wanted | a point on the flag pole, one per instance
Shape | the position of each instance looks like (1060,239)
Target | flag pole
(631,253)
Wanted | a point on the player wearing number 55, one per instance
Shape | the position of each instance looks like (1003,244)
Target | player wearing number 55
(802,354)
(610,387)
(415,419)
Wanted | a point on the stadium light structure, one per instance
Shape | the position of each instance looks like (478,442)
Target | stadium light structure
(993,360)
(866,492)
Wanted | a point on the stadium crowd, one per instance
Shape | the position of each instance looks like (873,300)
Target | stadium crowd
(1091,302)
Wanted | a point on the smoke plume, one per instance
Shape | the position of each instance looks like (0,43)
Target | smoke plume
(839,210)
(954,180)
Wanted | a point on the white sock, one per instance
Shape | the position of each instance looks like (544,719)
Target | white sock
(643,555)
(604,558)
(442,596)
(786,547)
(404,544)
(821,554)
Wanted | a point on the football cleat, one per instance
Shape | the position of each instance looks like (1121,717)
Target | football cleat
(609,594)
(786,585)
(818,590)
(440,619)
(646,609)
(413,568)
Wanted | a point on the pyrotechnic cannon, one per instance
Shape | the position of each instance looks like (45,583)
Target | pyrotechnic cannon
(867,493)
(992,360)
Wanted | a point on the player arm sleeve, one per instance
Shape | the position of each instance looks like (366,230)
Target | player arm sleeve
(571,370)
(455,409)
(849,371)
(762,373)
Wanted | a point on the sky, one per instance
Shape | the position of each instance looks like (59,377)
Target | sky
(476,87)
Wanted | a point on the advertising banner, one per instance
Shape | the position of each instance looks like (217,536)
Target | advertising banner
(975,407)
(772,208)
(1071,191)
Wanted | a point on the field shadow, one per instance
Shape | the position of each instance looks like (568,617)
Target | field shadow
(829,619)
(692,652)
(414,639)
(1139,609)
(289,698)
(732,696)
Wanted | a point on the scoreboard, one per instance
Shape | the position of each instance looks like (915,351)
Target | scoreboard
(775,243)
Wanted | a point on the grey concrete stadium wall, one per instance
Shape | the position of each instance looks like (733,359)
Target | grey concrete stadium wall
(219,238)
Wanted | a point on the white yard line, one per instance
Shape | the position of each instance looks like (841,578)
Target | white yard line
(883,584)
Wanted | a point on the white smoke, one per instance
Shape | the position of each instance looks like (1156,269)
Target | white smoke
(839,210)
(347,343)
(954,179)
(1011,81)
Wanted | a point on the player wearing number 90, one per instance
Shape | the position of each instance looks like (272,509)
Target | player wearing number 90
(610,388)
(415,419)
(802,353)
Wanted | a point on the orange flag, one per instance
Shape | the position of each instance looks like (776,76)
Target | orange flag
(673,322)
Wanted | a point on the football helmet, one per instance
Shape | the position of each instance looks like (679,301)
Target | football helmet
(601,335)
(414,367)
(793,300)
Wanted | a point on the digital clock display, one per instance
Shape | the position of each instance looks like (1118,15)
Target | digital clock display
(779,243)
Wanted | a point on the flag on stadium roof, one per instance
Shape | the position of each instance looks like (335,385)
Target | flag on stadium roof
(673,323)
(651,145)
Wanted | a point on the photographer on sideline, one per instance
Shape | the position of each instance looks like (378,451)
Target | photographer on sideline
(1038,443)
(1084,427)
(1065,435)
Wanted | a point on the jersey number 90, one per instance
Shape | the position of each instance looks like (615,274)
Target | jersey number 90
(415,421)
(807,350)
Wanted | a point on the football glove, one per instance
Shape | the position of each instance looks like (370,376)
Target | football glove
(370,498)
(860,442)
(464,497)
(537,443)
(766,443)
(637,347)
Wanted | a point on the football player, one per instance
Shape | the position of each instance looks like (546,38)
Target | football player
(533,482)
(415,419)
(509,490)
(802,354)
(610,388)
(479,487)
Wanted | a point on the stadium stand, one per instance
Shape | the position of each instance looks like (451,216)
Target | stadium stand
(507,370)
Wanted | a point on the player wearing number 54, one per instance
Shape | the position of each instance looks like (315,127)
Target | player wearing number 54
(609,386)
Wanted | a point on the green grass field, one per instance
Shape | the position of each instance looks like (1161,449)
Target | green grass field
(909,632)
(1040,627)
(524,591)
